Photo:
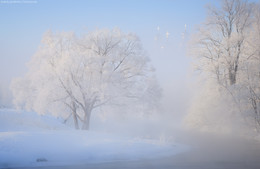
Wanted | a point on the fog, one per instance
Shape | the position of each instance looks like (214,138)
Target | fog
(192,111)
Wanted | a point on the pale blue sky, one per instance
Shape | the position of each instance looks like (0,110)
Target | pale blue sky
(23,24)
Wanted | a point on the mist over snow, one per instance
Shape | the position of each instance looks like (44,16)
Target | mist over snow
(22,145)
(130,84)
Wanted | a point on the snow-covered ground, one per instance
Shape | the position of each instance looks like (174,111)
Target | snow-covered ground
(27,139)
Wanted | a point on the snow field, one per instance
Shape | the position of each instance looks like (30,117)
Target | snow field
(31,140)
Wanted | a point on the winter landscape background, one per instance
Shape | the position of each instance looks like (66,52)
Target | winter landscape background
(130,84)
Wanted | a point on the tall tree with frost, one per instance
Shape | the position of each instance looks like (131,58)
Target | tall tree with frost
(251,76)
(78,75)
(226,48)
(220,42)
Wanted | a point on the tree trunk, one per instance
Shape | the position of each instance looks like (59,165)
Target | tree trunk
(87,113)
(86,122)
(254,105)
(232,77)
(75,118)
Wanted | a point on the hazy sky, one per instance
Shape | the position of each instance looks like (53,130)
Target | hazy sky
(24,22)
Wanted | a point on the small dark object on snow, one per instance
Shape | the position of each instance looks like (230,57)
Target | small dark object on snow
(41,160)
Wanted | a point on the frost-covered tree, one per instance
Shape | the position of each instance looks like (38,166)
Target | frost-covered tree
(220,42)
(251,71)
(72,75)
(226,49)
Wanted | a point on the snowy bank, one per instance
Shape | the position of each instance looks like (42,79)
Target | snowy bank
(49,144)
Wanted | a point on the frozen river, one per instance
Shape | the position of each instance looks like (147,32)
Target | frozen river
(211,153)
(184,161)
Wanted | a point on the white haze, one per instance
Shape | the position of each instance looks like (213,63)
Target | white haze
(192,112)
